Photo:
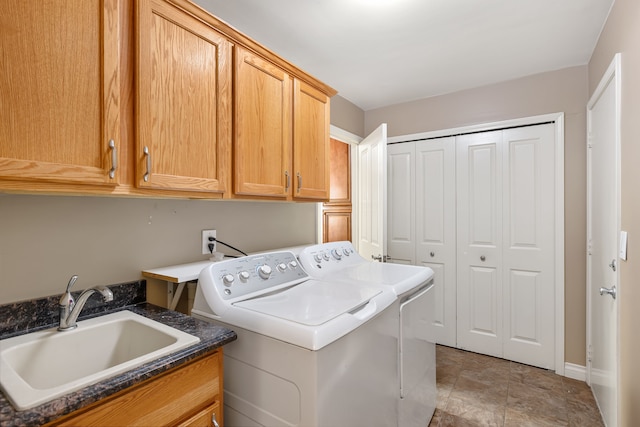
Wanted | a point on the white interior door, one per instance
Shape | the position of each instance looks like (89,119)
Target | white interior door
(372,195)
(401,235)
(479,237)
(603,221)
(528,254)
(435,199)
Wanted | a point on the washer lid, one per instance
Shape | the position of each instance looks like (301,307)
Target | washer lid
(312,302)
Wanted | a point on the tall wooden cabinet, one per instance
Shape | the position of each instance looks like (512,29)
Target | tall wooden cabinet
(59,108)
(183,84)
(337,212)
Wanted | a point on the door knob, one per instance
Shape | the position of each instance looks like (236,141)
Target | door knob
(377,258)
(482,258)
(432,254)
(608,291)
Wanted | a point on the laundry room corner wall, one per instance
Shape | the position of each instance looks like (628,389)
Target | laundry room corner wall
(106,240)
(552,92)
(621,33)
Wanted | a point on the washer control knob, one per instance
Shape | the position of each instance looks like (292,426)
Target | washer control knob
(282,267)
(228,279)
(326,256)
(337,255)
(293,265)
(264,271)
(317,257)
(244,275)
(346,252)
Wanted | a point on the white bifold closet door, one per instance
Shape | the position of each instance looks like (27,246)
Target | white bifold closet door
(401,212)
(505,244)
(435,196)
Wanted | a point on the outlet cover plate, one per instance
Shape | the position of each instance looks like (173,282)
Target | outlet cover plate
(206,234)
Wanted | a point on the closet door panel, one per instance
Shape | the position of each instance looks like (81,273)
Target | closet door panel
(401,203)
(528,255)
(435,229)
(479,240)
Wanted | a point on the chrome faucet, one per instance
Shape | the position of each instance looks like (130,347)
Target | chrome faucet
(70,308)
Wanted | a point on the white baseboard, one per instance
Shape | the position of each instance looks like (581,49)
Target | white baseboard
(576,372)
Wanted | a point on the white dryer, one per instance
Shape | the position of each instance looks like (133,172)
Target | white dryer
(338,262)
(309,352)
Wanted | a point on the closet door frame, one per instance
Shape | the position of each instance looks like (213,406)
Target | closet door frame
(558,119)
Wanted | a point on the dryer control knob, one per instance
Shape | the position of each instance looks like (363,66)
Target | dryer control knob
(244,275)
(282,267)
(337,255)
(326,256)
(346,252)
(293,265)
(317,257)
(228,279)
(264,271)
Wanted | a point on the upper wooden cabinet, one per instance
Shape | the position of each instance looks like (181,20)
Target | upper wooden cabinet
(262,145)
(183,83)
(60,92)
(281,146)
(311,150)
(137,97)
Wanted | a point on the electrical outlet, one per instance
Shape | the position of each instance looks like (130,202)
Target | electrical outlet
(206,234)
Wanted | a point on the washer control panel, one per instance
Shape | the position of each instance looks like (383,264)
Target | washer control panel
(238,277)
(328,257)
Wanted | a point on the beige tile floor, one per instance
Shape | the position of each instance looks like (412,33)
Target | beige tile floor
(477,390)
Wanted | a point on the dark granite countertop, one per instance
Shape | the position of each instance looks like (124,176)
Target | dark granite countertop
(211,337)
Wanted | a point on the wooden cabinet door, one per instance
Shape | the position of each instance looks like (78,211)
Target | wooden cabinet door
(310,142)
(183,81)
(262,146)
(59,91)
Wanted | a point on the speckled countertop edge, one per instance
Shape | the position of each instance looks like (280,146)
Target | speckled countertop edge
(211,337)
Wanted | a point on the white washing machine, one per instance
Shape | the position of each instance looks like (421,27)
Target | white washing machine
(416,392)
(309,352)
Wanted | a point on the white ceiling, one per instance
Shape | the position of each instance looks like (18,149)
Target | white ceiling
(382,52)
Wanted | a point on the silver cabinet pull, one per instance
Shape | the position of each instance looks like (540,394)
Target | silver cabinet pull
(148,156)
(432,254)
(482,258)
(114,159)
(286,174)
(214,422)
(299,181)
(608,291)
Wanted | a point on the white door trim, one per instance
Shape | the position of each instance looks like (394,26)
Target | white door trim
(558,119)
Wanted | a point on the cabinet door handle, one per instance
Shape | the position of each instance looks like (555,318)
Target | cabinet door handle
(114,159)
(299,181)
(288,184)
(214,422)
(148,156)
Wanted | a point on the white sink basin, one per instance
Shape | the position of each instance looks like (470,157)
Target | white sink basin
(44,365)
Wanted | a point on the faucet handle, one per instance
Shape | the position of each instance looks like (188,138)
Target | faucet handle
(71,282)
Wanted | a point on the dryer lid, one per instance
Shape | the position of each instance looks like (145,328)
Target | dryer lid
(312,302)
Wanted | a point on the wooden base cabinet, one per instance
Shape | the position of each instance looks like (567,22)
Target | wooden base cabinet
(190,395)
